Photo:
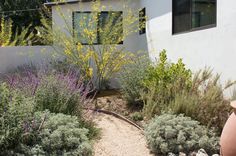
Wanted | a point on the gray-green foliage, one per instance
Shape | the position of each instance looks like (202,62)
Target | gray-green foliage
(15,110)
(59,94)
(171,133)
(63,135)
(131,79)
(55,135)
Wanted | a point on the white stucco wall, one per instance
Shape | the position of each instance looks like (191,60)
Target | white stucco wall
(11,57)
(214,47)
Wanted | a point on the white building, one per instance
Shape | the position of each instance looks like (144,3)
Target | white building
(202,32)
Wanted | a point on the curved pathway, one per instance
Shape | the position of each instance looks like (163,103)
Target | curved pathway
(118,138)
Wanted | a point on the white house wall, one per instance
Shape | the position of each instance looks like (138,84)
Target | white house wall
(214,47)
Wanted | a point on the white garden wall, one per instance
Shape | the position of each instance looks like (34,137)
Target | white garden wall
(11,57)
(214,47)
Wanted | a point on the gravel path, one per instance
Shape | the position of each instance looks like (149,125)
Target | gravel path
(119,138)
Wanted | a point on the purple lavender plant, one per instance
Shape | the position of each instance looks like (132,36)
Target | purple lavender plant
(56,91)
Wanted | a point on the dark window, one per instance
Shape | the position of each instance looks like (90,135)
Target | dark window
(189,15)
(107,27)
(181,15)
(142,21)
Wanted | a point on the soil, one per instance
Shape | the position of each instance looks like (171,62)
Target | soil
(112,100)
(119,138)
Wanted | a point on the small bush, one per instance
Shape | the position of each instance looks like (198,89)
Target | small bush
(15,111)
(163,81)
(58,94)
(63,135)
(171,133)
(137,116)
(131,79)
(53,134)
(205,100)
(56,91)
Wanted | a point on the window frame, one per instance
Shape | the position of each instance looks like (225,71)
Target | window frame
(98,43)
(191,27)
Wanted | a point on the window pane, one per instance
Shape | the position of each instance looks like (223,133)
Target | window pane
(203,13)
(110,27)
(142,21)
(85,27)
(181,16)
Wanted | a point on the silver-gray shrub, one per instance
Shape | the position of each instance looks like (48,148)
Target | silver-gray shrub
(56,135)
(172,133)
(64,135)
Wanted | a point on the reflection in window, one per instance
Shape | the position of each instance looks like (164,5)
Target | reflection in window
(104,27)
(203,13)
(193,14)
(83,21)
(181,15)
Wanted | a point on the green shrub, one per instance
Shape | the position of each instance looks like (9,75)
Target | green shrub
(185,104)
(60,93)
(131,79)
(137,116)
(205,101)
(163,81)
(151,105)
(15,111)
(54,134)
(171,133)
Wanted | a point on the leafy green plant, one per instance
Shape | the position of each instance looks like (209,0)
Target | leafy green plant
(27,19)
(9,38)
(163,81)
(131,79)
(205,100)
(171,133)
(15,110)
(137,116)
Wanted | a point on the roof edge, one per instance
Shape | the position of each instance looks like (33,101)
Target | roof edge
(65,2)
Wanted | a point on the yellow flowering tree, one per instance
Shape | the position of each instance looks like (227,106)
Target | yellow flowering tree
(93,41)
